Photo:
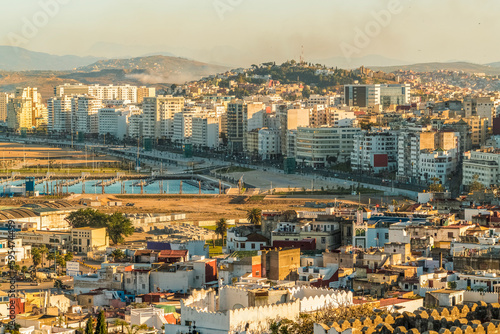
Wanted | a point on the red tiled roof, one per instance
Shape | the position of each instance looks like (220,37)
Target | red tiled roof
(173,253)
(170,319)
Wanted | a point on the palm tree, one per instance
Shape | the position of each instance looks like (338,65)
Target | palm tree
(51,257)
(134,329)
(36,257)
(43,250)
(254,216)
(122,323)
(221,228)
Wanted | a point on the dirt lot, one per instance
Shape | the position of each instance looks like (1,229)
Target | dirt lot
(196,207)
(211,207)
(33,155)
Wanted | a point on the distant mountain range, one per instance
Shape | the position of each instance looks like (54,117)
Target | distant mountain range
(18,59)
(20,67)
(489,69)
(157,69)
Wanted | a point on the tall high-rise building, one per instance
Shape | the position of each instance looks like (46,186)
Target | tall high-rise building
(236,115)
(158,115)
(4,99)
(143,92)
(84,111)
(290,119)
(59,114)
(25,108)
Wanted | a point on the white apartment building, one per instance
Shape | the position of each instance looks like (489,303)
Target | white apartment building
(485,107)
(59,114)
(135,125)
(158,115)
(326,100)
(375,151)
(112,121)
(84,111)
(111,92)
(484,163)
(424,154)
(320,147)
(269,143)
(183,126)
(205,131)
(337,117)
(437,164)
(408,146)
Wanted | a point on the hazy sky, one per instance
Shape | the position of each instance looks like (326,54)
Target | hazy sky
(242,32)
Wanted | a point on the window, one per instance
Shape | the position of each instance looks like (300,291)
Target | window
(144,286)
(253,246)
(323,240)
(450,234)
(387,235)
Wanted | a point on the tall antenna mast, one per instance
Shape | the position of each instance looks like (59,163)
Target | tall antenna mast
(302,55)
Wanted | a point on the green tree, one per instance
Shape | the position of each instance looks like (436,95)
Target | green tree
(87,218)
(134,329)
(254,216)
(36,256)
(51,257)
(221,228)
(68,257)
(119,227)
(101,326)
(89,328)
(122,323)
(475,185)
(44,250)
(436,187)
(117,254)
(61,261)
(452,285)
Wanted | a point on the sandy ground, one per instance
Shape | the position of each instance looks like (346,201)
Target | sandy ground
(33,155)
(197,208)
(200,208)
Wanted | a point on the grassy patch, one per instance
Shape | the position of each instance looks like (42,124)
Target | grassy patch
(213,251)
(256,198)
(212,228)
(234,169)
(342,167)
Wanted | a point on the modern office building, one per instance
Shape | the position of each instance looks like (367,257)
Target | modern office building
(366,96)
